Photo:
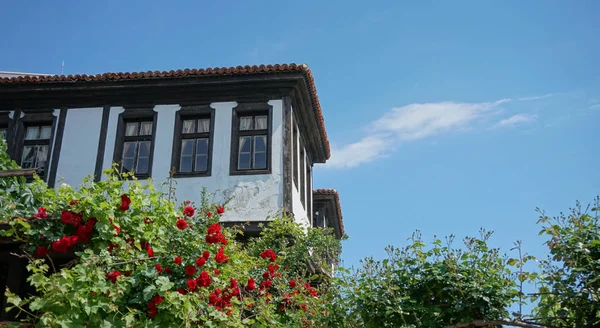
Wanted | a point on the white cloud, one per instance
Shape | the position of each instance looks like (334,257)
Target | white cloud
(515,120)
(536,97)
(594,106)
(408,123)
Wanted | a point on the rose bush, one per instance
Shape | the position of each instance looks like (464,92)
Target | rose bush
(141,261)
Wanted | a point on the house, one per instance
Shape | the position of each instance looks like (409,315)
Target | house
(249,134)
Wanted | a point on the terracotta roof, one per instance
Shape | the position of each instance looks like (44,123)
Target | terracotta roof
(336,197)
(239,70)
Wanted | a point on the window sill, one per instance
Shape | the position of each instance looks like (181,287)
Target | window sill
(191,174)
(250,172)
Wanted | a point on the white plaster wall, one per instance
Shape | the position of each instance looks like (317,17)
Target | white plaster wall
(251,197)
(80,145)
(111,135)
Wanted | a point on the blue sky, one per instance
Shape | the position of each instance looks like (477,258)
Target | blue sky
(443,117)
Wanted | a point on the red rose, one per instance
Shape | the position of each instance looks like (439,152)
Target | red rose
(200,262)
(266,275)
(158,267)
(150,252)
(220,257)
(265,285)
(177,260)
(204,279)
(152,312)
(191,284)
(251,284)
(125,201)
(61,245)
(209,214)
(267,253)
(181,291)
(220,209)
(84,233)
(217,271)
(112,276)
(73,240)
(41,214)
(206,255)
(168,270)
(181,224)
(66,217)
(91,221)
(41,251)
(292,283)
(190,270)
(74,202)
(188,211)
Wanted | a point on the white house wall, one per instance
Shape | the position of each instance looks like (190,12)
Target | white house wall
(251,197)
(80,144)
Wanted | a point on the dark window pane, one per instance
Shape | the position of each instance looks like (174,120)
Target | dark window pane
(201,162)
(202,146)
(204,125)
(142,165)
(260,160)
(128,164)
(244,161)
(3,133)
(45,132)
(260,122)
(185,164)
(131,129)
(32,133)
(42,154)
(187,147)
(146,128)
(28,158)
(129,149)
(188,126)
(260,143)
(144,149)
(245,123)
(245,146)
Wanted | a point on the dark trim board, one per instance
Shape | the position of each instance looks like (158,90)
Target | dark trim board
(286,144)
(60,131)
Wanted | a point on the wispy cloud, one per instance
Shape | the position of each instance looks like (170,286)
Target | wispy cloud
(594,106)
(418,121)
(515,120)
(536,97)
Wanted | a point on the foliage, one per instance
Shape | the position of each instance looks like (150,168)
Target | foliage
(141,261)
(427,286)
(570,292)
(17,197)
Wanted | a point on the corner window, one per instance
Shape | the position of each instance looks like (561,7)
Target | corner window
(36,147)
(135,142)
(251,148)
(192,155)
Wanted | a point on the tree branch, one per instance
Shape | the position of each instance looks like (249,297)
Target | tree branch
(132,261)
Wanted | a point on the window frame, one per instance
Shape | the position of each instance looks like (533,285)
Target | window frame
(132,115)
(195,112)
(250,109)
(45,118)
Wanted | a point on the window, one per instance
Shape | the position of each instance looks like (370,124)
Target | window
(192,145)
(135,141)
(36,147)
(3,133)
(251,139)
(295,151)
